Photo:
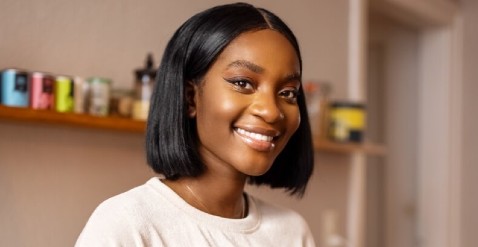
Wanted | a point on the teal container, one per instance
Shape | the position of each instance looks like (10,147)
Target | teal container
(15,88)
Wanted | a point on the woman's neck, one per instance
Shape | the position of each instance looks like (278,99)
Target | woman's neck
(217,195)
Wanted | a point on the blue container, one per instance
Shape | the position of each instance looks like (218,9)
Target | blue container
(15,88)
(1,87)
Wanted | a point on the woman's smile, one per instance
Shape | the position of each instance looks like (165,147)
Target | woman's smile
(257,141)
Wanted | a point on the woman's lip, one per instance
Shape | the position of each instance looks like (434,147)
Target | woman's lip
(259,145)
(260,130)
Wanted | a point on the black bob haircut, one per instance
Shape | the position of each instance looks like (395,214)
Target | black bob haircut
(171,136)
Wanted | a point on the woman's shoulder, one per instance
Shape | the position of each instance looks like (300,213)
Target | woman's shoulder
(284,222)
(123,216)
(125,203)
(272,212)
(136,193)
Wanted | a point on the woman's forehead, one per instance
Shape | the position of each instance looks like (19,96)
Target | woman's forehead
(256,49)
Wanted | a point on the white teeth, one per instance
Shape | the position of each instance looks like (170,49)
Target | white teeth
(255,136)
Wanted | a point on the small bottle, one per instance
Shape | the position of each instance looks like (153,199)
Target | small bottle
(143,89)
(317,98)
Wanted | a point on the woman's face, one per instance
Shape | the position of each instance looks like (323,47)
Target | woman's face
(246,106)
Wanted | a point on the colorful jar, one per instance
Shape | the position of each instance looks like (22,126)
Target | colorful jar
(41,95)
(15,88)
(64,94)
(347,121)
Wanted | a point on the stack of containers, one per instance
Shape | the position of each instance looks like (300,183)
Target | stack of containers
(61,93)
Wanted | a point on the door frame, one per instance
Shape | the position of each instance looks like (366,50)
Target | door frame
(440,24)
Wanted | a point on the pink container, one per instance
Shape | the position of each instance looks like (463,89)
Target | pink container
(41,94)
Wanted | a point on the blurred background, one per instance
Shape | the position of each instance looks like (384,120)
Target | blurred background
(410,64)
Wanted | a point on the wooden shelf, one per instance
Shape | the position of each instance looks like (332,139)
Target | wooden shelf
(71,119)
(337,147)
(134,126)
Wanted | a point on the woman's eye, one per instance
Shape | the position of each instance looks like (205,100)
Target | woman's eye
(241,84)
(289,95)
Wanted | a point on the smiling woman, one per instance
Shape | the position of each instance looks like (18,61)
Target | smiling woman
(240,107)
(228,108)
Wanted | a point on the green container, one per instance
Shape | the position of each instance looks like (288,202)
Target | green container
(64,94)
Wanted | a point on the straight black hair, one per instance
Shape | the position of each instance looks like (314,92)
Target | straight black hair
(171,136)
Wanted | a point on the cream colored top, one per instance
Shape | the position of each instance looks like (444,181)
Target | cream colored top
(154,215)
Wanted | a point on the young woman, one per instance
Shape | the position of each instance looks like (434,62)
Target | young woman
(228,108)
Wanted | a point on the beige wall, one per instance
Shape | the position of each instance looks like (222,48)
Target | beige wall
(110,38)
(470,135)
(51,177)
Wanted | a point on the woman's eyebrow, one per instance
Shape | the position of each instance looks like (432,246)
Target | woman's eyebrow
(246,64)
(258,69)
(293,77)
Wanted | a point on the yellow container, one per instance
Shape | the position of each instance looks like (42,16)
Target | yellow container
(347,122)
(64,94)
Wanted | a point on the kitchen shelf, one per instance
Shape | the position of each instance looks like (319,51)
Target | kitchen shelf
(324,145)
(72,119)
(17,114)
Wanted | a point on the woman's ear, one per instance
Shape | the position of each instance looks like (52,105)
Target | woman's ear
(191,90)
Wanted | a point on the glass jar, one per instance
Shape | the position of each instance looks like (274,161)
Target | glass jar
(99,96)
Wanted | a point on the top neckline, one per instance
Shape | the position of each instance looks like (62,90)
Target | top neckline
(248,224)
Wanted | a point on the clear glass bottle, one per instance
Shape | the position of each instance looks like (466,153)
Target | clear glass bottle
(144,83)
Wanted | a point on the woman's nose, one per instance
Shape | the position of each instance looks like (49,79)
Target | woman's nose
(265,106)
